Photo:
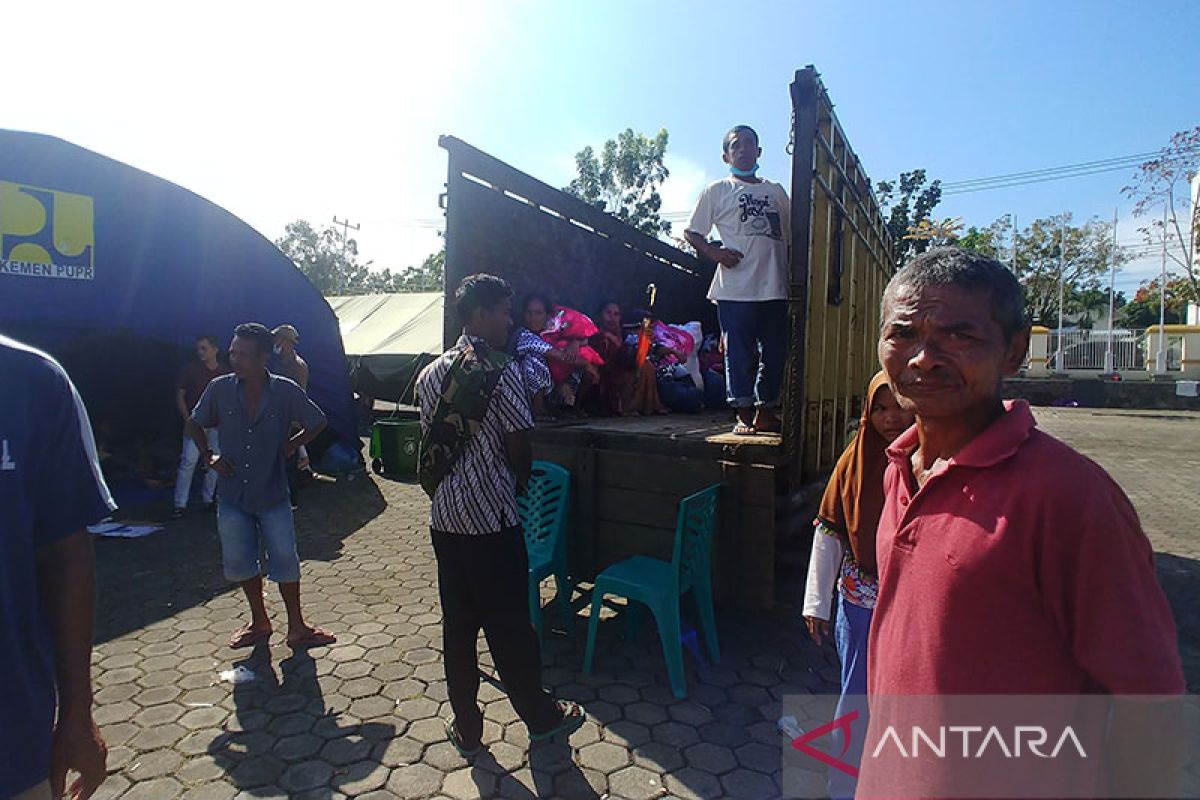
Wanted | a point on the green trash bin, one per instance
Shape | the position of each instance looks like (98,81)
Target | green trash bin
(394,446)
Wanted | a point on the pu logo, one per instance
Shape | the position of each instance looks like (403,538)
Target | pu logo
(46,233)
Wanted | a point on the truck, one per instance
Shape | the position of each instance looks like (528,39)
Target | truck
(628,474)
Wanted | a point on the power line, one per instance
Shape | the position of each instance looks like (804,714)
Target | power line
(1104,162)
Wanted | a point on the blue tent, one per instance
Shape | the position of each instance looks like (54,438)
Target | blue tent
(116,271)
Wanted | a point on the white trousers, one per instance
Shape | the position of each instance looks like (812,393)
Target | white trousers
(187,466)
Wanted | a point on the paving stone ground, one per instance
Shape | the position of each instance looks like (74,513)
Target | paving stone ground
(362,718)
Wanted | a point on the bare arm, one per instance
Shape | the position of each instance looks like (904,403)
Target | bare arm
(197,434)
(303,375)
(181,404)
(301,438)
(67,585)
(518,446)
(722,255)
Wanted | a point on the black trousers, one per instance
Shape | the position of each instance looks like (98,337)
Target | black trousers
(483,583)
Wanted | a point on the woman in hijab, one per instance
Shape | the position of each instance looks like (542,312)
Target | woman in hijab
(843,553)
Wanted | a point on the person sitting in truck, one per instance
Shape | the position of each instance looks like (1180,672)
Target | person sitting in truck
(750,285)
(572,362)
(622,388)
(534,354)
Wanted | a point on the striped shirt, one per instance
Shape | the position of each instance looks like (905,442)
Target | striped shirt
(479,496)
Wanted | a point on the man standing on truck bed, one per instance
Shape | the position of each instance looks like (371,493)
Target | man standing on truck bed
(752,217)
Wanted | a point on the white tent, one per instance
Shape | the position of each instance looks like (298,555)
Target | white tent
(390,324)
(387,338)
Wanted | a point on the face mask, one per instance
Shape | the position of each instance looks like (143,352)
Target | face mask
(744,173)
(277,350)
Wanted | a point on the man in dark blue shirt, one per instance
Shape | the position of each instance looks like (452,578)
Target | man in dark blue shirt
(263,420)
(50,491)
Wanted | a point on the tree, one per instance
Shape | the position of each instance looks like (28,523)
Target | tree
(624,179)
(1087,252)
(906,203)
(429,276)
(1142,311)
(326,257)
(330,262)
(1163,184)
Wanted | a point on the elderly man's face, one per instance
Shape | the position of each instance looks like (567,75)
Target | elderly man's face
(943,353)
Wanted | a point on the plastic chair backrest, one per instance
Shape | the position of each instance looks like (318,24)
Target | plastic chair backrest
(697,520)
(543,509)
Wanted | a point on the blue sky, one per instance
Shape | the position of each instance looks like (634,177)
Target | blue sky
(279,111)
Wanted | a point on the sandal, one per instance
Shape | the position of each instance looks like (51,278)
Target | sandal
(314,638)
(572,719)
(246,636)
(455,739)
(744,429)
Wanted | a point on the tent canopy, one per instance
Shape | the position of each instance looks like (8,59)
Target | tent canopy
(388,338)
(116,272)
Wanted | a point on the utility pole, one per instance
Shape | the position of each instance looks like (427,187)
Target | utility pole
(1062,249)
(1109,366)
(346,228)
(1160,363)
(1014,259)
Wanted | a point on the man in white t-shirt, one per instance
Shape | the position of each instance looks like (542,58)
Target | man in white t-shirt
(750,287)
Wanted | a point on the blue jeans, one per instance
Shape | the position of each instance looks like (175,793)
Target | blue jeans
(850,634)
(755,341)
(187,467)
(241,532)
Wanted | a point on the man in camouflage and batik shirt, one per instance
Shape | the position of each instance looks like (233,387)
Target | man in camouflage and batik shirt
(476,454)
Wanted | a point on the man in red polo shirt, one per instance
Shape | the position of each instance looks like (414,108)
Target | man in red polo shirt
(1008,563)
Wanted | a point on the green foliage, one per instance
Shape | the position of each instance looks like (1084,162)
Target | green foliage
(326,257)
(1087,253)
(906,203)
(428,276)
(1142,311)
(624,179)
(330,262)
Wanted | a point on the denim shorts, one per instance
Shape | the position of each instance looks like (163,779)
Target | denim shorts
(243,536)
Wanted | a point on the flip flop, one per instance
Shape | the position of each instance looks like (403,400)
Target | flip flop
(453,737)
(744,429)
(248,637)
(314,638)
(573,719)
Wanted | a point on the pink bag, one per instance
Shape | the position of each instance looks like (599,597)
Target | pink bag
(564,328)
(675,338)
(568,323)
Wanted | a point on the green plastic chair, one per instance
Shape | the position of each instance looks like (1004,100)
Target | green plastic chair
(659,584)
(543,514)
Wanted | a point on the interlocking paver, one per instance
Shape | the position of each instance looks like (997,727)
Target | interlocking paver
(366,713)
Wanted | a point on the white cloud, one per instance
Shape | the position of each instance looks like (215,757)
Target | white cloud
(680,190)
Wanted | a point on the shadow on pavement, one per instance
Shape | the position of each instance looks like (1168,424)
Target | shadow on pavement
(1180,579)
(283,735)
(143,581)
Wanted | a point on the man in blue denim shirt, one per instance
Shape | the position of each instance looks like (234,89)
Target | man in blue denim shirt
(255,411)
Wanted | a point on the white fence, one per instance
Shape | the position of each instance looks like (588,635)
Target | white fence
(1133,350)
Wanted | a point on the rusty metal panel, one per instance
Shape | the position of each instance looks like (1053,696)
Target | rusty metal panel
(502,221)
(841,261)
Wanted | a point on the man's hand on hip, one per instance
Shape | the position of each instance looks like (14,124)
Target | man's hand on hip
(221,465)
(727,257)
